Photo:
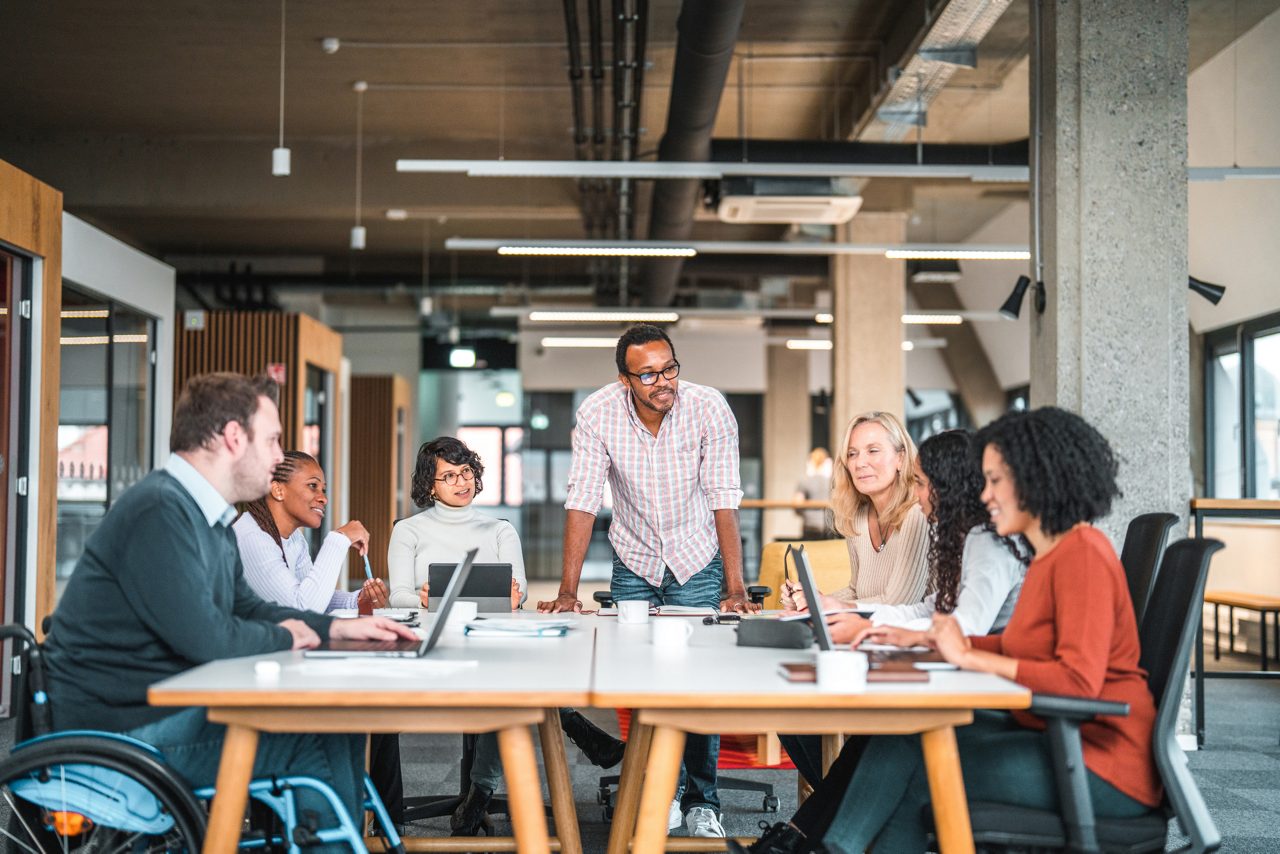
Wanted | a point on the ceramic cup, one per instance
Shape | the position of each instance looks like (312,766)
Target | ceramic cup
(461,613)
(633,611)
(842,671)
(671,632)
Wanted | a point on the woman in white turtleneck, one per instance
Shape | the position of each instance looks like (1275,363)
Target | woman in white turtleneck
(446,480)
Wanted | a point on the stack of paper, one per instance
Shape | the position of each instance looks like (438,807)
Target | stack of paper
(507,627)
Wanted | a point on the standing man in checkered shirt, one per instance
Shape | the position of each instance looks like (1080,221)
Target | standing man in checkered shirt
(669,452)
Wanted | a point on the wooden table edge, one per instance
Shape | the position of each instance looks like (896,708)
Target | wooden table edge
(790,702)
(295,699)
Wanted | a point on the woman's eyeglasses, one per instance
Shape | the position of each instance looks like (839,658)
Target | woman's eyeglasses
(450,478)
(651,377)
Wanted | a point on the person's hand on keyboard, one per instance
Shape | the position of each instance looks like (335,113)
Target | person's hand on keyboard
(369,628)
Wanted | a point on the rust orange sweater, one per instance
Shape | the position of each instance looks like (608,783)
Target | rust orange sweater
(1073,632)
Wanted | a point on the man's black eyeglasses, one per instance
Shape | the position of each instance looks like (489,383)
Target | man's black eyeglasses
(651,377)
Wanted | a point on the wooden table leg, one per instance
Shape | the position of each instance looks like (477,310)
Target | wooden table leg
(661,775)
(946,788)
(235,770)
(626,805)
(559,783)
(524,790)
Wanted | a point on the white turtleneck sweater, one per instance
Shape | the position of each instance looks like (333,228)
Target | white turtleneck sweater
(443,534)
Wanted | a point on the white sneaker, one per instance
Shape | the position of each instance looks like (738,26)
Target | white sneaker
(703,821)
(675,818)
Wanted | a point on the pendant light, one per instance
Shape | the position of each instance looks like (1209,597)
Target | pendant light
(280,156)
(357,230)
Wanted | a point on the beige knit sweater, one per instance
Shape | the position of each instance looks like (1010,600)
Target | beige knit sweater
(896,576)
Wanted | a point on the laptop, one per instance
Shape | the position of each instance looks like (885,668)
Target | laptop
(821,632)
(402,648)
(489,586)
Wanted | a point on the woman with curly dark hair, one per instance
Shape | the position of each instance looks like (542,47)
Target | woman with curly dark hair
(974,574)
(1048,474)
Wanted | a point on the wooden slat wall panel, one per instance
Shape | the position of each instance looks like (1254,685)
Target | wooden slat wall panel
(373,467)
(31,222)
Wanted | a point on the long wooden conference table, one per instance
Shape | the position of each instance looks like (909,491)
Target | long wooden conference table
(473,685)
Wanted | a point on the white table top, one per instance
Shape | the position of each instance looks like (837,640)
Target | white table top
(714,672)
(459,671)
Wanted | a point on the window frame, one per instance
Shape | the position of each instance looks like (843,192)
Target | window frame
(1239,339)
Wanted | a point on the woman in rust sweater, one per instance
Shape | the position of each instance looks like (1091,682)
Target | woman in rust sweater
(1048,475)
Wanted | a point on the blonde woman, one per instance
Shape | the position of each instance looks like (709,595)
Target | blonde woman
(874,505)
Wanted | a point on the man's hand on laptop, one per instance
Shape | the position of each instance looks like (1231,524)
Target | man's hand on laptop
(563,602)
(304,637)
(369,628)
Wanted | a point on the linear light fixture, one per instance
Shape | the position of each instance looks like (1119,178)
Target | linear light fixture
(957,251)
(600,251)
(678,170)
(81,313)
(933,319)
(808,344)
(824,317)
(1221,173)
(603,317)
(85,340)
(580,343)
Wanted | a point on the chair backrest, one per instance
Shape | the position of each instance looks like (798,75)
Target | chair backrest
(829,559)
(1144,545)
(1169,628)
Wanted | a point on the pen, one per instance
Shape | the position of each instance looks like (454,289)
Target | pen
(368,571)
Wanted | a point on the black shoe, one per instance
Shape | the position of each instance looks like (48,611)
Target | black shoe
(470,818)
(780,839)
(598,746)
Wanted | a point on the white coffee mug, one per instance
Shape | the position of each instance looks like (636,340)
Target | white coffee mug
(842,671)
(462,613)
(671,632)
(633,611)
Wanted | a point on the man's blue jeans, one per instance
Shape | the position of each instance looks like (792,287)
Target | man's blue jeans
(701,752)
(192,746)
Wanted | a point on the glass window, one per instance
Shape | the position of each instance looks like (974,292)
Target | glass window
(106,407)
(1225,415)
(1266,417)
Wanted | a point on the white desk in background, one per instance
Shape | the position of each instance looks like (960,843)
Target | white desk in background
(714,686)
(464,685)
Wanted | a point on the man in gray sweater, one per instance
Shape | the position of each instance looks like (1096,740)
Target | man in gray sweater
(160,589)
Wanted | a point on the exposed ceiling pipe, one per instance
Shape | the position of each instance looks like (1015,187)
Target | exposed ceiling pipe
(707,31)
(574,44)
(823,151)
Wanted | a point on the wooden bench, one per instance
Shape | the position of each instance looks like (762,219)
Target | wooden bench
(1258,602)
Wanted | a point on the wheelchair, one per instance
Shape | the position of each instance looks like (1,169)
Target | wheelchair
(101,792)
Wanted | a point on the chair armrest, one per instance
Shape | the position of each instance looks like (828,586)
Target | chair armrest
(1074,708)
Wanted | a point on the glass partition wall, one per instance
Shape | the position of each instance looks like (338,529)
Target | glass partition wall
(106,414)
(1242,410)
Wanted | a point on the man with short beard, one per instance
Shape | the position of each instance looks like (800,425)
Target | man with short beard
(669,452)
(160,589)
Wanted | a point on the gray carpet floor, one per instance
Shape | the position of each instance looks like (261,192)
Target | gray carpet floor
(1238,772)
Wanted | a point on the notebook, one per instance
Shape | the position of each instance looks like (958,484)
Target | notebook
(489,586)
(402,648)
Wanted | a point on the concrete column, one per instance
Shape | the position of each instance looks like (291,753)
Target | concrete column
(786,435)
(868,298)
(1112,343)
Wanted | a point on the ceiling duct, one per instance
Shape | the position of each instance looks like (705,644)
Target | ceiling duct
(950,41)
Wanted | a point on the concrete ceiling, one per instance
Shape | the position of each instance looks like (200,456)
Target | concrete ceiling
(157,117)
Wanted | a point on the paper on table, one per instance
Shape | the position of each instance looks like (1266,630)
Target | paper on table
(401,615)
(386,668)
(804,615)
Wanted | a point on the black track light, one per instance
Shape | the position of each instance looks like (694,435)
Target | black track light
(1213,293)
(1013,305)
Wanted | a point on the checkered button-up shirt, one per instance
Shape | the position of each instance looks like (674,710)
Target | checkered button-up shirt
(665,487)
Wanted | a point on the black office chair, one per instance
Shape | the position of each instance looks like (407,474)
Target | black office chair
(1166,635)
(1144,545)
(606,793)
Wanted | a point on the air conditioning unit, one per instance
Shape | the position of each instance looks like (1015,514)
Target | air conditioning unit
(786,200)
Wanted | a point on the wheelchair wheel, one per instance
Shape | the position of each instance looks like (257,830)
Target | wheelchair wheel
(90,793)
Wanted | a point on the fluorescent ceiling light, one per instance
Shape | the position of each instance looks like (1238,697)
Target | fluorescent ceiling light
(957,251)
(1219,173)
(960,254)
(606,250)
(462,357)
(580,343)
(677,170)
(603,317)
(824,317)
(86,313)
(908,346)
(808,344)
(933,319)
(86,340)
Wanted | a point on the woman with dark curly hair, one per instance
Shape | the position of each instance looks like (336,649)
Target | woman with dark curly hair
(1049,474)
(974,574)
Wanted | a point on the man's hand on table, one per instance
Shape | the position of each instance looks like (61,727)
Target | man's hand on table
(369,628)
(563,602)
(304,637)
(738,603)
